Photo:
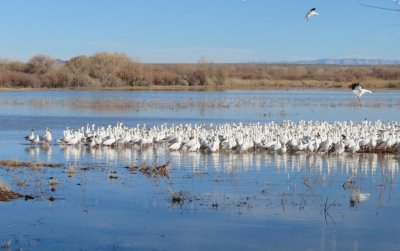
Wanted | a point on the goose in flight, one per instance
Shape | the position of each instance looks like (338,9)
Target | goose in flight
(358,90)
(310,13)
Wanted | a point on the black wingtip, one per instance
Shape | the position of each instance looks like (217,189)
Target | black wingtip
(354,85)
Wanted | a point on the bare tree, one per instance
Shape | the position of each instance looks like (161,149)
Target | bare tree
(40,64)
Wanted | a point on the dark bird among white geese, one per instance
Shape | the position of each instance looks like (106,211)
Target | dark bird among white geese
(358,90)
(310,13)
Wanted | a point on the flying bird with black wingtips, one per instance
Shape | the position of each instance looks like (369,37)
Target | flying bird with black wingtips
(310,13)
(358,90)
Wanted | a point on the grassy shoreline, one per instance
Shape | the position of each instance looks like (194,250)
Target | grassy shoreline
(114,71)
(226,87)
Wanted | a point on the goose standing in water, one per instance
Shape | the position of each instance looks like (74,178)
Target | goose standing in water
(47,137)
(306,136)
(36,140)
(30,137)
(176,145)
(337,148)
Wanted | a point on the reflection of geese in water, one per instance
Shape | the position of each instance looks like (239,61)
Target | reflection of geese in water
(369,162)
(110,154)
(215,160)
(46,148)
(351,165)
(70,151)
(193,160)
(176,158)
(125,154)
(33,152)
(357,197)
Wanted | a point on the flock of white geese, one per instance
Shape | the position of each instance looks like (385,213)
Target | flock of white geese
(304,136)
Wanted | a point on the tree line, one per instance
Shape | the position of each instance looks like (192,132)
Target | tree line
(117,70)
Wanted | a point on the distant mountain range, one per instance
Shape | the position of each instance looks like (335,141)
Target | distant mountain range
(346,61)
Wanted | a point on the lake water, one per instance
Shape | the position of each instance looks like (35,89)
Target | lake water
(252,201)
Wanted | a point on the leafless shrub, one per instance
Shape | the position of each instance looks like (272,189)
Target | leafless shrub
(117,70)
(40,64)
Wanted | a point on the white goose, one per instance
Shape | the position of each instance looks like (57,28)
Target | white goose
(310,13)
(358,90)
(36,140)
(30,137)
(47,137)
(176,145)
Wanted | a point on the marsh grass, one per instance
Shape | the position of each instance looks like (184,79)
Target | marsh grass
(71,171)
(6,194)
(53,182)
(152,170)
(177,198)
(4,187)
(19,182)
(15,163)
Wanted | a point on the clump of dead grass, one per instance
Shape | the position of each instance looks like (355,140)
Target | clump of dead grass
(53,182)
(15,163)
(6,194)
(71,171)
(177,198)
(151,170)
(4,186)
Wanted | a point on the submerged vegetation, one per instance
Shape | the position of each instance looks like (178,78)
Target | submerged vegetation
(151,170)
(14,163)
(115,70)
(6,194)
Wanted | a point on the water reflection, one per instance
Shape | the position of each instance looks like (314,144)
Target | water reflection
(323,164)
(236,105)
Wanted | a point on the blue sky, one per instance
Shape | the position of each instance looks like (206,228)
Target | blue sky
(185,31)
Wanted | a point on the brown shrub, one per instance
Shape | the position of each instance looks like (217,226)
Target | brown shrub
(40,64)
(105,70)
(18,79)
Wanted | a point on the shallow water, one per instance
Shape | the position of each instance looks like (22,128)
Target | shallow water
(253,201)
